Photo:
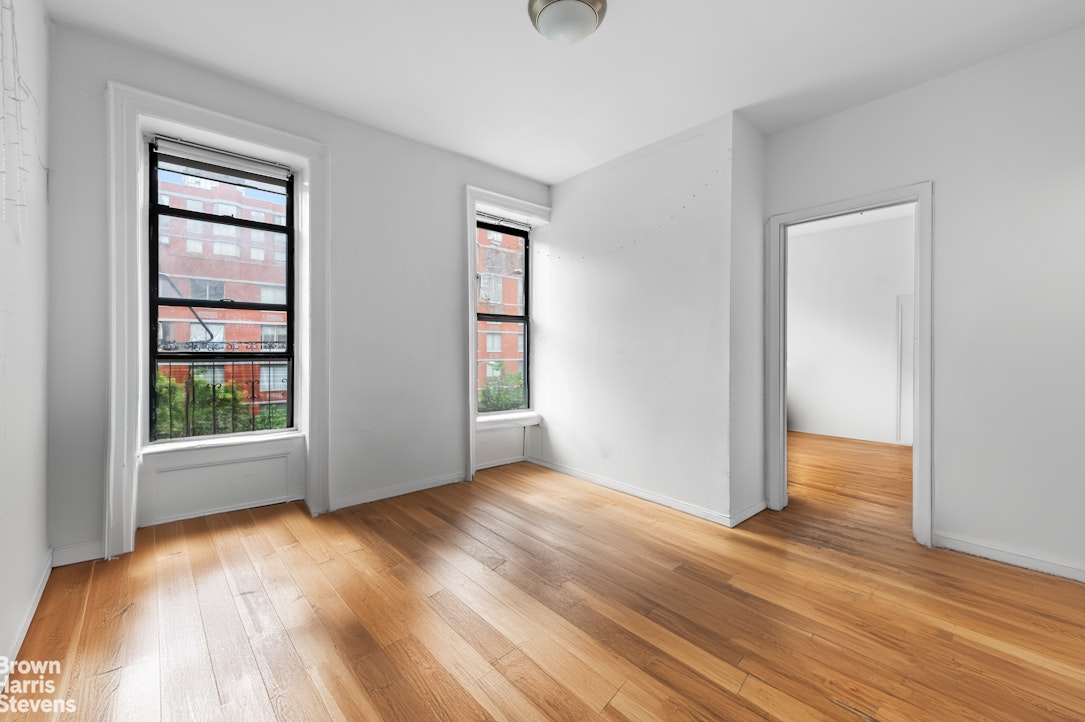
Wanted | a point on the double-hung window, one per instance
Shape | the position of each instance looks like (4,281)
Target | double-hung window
(222,346)
(502,282)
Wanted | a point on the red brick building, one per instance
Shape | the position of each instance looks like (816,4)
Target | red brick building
(207,261)
(501,344)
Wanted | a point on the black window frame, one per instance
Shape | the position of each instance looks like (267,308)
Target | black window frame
(524,319)
(196,358)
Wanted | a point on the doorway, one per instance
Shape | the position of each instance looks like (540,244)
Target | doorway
(878,391)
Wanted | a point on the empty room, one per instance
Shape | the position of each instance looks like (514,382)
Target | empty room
(542,360)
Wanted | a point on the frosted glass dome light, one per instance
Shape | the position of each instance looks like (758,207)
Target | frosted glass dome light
(566,21)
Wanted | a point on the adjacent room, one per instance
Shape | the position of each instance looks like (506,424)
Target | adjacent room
(548,360)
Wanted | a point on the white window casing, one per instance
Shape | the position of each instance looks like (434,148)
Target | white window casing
(135,116)
(487,205)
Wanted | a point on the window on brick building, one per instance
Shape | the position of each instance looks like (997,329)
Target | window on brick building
(273,294)
(273,336)
(202,288)
(225,248)
(232,370)
(502,281)
(212,334)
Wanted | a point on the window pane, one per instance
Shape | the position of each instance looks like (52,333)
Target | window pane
(221,369)
(178,268)
(216,330)
(230,195)
(500,273)
(500,367)
(203,399)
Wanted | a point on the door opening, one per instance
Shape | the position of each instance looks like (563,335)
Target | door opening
(848,322)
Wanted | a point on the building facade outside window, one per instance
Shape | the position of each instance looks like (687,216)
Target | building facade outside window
(203,288)
(210,335)
(502,280)
(223,360)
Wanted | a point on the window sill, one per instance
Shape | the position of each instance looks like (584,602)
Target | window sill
(506,419)
(220,442)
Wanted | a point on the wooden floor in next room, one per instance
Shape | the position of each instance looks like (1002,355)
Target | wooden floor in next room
(529,595)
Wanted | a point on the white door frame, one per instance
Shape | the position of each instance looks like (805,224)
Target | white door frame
(776,345)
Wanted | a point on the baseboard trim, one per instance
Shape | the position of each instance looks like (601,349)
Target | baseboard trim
(502,462)
(977,548)
(222,509)
(75,553)
(386,492)
(28,616)
(750,511)
(707,514)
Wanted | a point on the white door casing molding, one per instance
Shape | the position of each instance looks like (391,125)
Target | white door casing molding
(134,116)
(776,346)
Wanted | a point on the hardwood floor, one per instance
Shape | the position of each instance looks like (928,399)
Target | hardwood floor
(528,595)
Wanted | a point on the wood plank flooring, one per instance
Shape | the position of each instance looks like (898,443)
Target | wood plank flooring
(528,595)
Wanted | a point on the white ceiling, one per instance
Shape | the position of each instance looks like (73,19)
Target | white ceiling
(474,77)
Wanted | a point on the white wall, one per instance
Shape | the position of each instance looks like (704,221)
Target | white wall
(1002,143)
(25,559)
(398,341)
(499,446)
(747,321)
(843,354)
(631,323)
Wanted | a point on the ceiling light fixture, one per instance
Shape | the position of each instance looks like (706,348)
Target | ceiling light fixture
(566,21)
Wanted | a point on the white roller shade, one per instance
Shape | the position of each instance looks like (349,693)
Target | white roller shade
(209,158)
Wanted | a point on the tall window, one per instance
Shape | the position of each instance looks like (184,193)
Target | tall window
(502,282)
(223,360)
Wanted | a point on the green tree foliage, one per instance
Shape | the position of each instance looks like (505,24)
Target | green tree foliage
(271,417)
(503,392)
(199,408)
